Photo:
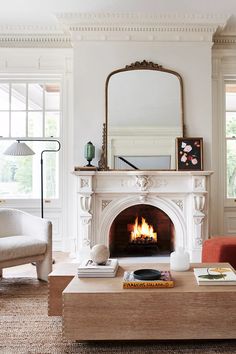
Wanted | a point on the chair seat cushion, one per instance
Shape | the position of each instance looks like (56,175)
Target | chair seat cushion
(13,247)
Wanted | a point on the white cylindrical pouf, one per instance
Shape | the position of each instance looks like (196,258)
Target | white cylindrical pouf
(179,260)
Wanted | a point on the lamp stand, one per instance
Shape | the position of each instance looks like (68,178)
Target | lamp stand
(41,167)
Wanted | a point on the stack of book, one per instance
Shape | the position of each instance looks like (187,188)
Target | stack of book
(89,269)
(215,276)
(130,282)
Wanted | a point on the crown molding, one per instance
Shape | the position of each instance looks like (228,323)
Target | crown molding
(135,21)
(33,37)
(224,42)
(74,27)
(226,38)
(136,26)
(34,41)
(140,18)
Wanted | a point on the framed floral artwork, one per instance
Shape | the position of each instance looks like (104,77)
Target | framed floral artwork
(189,154)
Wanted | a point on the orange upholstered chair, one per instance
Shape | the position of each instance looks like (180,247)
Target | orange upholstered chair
(220,249)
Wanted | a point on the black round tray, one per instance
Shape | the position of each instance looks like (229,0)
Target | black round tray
(147,274)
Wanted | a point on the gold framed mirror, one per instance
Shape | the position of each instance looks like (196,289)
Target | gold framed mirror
(143,116)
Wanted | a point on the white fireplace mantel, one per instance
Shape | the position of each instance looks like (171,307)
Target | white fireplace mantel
(182,195)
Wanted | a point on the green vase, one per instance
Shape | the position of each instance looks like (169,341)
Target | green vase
(89,152)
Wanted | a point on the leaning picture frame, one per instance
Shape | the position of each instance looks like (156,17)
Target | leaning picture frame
(189,154)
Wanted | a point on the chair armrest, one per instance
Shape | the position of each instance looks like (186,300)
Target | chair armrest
(35,226)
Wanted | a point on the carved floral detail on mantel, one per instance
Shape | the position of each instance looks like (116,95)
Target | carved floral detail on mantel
(105,203)
(84,183)
(199,183)
(199,202)
(179,203)
(86,221)
(143,182)
(143,198)
(85,203)
(160,182)
(198,222)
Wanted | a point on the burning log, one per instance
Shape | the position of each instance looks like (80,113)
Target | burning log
(142,233)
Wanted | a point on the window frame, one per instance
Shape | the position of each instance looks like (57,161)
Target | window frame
(228,202)
(34,203)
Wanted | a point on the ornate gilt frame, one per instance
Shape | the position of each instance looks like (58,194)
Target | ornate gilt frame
(143,65)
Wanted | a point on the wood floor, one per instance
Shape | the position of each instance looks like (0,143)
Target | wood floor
(28,270)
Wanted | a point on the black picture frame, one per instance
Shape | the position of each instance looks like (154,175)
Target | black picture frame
(189,154)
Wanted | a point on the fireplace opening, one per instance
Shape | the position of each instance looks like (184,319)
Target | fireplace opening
(141,230)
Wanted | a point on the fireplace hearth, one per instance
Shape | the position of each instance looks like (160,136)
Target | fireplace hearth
(182,197)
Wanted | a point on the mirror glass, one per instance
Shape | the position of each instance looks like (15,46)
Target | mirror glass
(144,115)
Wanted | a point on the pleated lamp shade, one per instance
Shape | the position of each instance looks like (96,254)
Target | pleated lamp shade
(19,149)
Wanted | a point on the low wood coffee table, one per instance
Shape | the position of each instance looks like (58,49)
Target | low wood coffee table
(100,309)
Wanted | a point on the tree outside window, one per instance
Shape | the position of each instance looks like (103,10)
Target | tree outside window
(29,110)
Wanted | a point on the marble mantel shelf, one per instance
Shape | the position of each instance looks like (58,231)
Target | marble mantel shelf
(143,172)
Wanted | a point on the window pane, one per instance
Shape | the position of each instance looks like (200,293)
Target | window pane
(52,96)
(18,97)
(29,110)
(51,175)
(50,168)
(20,175)
(18,124)
(35,124)
(230,124)
(231,169)
(35,97)
(15,174)
(230,99)
(4,96)
(52,124)
(4,124)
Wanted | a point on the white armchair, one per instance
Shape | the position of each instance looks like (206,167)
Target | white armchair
(25,238)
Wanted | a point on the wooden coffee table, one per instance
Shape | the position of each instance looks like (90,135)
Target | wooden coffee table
(100,309)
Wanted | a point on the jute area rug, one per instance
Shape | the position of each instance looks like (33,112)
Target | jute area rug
(26,328)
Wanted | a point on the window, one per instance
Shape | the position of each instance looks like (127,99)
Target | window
(230,133)
(29,109)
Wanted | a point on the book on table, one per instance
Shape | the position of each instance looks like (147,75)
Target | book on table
(215,276)
(90,269)
(130,282)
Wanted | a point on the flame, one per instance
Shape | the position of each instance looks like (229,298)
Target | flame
(143,231)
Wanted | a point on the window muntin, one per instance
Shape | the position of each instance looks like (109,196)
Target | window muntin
(29,110)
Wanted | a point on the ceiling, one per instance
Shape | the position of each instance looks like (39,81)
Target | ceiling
(43,12)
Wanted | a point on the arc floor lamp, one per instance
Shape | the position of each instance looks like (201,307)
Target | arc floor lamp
(19,148)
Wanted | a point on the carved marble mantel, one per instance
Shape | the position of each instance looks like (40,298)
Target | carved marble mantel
(183,196)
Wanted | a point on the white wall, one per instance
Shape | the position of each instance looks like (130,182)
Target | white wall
(93,61)
(103,43)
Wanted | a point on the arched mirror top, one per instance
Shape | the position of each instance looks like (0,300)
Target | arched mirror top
(144,113)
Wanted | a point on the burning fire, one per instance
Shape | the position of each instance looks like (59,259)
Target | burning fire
(142,233)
